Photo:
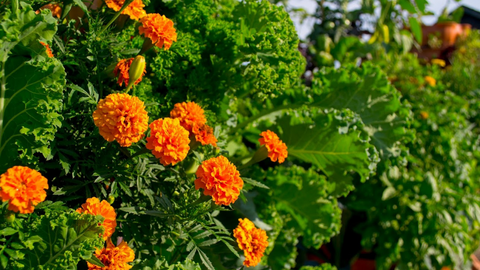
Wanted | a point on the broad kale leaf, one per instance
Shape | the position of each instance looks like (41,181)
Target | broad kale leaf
(31,86)
(366,91)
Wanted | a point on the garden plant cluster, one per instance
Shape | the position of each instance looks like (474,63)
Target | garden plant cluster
(194,134)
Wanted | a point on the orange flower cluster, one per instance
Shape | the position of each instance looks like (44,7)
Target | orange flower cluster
(121,117)
(49,51)
(220,179)
(134,10)
(168,141)
(204,134)
(114,258)
(93,206)
(192,118)
(159,29)
(430,81)
(189,114)
(54,8)
(277,150)
(122,71)
(23,188)
(251,240)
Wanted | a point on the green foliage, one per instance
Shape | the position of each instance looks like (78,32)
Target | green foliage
(331,151)
(55,240)
(31,87)
(367,92)
(418,217)
(324,266)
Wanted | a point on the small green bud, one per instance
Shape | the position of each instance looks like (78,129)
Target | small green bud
(136,70)
(110,199)
(10,216)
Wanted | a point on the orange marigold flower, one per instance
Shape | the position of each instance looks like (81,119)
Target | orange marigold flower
(430,81)
(189,114)
(424,115)
(204,134)
(114,257)
(251,240)
(134,10)
(49,51)
(121,117)
(439,62)
(277,150)
(54,8)
(93,206)
(122,71)
(159,29)
(220,179)
(23,188)
(168,141)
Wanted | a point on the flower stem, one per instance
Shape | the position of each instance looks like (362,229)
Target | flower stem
(125,5)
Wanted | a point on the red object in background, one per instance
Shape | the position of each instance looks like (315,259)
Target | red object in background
(364,261)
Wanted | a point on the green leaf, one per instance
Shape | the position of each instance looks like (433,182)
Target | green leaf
(254,183)
(421,4)
(302,195)
(205,260)
(81,5)
(67,238)
(3,261)
(416,29)
(7,231)
(31,86)
(284,252)
(94,260)
(408,6)
(325,147)
(366,91)
(388,193)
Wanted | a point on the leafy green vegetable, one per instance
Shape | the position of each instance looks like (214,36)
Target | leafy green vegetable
(367,92)
(31,87)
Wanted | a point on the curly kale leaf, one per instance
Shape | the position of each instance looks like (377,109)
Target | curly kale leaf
(31,86)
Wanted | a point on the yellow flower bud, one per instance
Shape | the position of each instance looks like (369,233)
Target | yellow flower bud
(136,71)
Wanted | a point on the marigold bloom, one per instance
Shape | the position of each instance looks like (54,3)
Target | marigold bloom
(189,114)
(277,150)
(121,117)
(204,134)
(114,257)
(49,51)
(251,240)
(168,141)
(159,29)
(424,115)
(220,179)
(93,206)
(23,188)
(430,81)
(134,10)
(54,8)
(439,62)
(122,71)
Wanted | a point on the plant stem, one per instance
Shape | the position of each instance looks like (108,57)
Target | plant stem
(125,5)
